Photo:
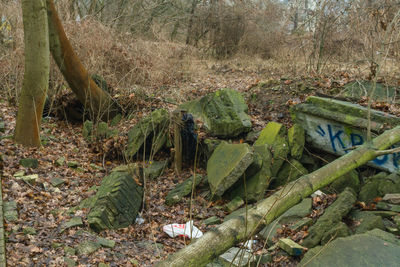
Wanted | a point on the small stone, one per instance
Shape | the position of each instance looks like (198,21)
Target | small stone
(212,220)
(29,231)
(2,127)
(234,204)
(69,251)
(60,161)
(29,163)
(30,179)
(134,262)
(101,264)
(73,164)
(87,248)
(19,173)
(389,198)
(75,221)
(264,258)
(291,247)
(56,245)
(296,138)
(106,242)
(56,181)
(69,262)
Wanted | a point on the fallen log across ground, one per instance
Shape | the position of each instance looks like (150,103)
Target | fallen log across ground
(241,228)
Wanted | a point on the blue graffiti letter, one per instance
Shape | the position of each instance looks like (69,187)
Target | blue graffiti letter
(381,160)
(356,139)
(336,136)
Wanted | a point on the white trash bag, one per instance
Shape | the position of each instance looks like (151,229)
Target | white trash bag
(176,229)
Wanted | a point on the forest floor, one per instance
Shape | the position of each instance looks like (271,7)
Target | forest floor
(45,207)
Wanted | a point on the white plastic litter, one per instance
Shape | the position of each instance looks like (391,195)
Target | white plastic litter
(139,220)
(176,229)
(317,193)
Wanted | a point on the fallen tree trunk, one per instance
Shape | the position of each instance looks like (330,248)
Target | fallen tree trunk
(88,93)
(220,239)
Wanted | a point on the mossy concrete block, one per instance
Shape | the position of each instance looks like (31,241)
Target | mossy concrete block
(336,231)
(133,169)
(269,134)
(291,247)
(224,113)
(226,165)
(350,179)
(379,185)
(289,171)
(297,139)
(360,89)
(119,199)
(257,176)
(333,214)
(151,129)
(30,179)
(60,161)
(280,151)
(356,250)
(297,212)
(87,248)
(181,190)
(29,163)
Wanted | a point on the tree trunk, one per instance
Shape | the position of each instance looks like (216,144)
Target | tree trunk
(89,94)
(241,228)
(36,76)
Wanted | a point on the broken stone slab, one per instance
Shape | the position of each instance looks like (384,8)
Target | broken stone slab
(379,185)
(56,181)
(208,146)
(391,227)
(291,247)
(223,113)
(29,230)
(269,134)
(29,163)
(149,130)
(301,224)
(75,221)
(334,126)
(226,165)
(297,139)
(183,189)
(332,215)
(155,168)
(119,199)
(392,198)
(236,257)
(30,179)
(357,250)
(68,251)
(104,242)
(212,220)
(73,164)
(257,176)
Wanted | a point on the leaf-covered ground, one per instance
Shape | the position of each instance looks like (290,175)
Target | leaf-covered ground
(45,207)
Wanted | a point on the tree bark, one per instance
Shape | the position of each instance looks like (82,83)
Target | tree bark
(89,94)
(241,228)
(36,76)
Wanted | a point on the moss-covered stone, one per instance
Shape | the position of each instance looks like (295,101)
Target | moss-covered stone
(289,171)
(208,146)
(333,214)
(119,199)
(291,247)
(350,179)
(223,113)
(29,163)
(181,190)
(297,139)
(87,248)
(269,134)
(336,231)
(379,185)
(226,165)
(234,204)
(87,130)
(151,129)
